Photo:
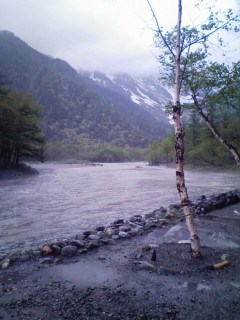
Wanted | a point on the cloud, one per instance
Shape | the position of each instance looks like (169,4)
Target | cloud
(105,35)
(93,34)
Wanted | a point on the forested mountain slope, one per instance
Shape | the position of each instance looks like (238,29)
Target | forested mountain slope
(76,109)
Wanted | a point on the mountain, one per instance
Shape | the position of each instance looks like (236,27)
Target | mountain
(77,108)
(143,90)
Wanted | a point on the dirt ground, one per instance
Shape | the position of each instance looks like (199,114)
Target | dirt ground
(120,280)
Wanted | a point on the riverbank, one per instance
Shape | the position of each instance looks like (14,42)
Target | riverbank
(21,170)
(148,276)
(121,280)
(121,228)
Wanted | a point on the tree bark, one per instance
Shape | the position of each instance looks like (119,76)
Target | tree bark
(214,130)
(179,146)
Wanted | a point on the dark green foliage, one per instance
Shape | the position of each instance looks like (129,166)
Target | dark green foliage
(75,112)
(201,147)
(20,132)
(94,151)
(162,151)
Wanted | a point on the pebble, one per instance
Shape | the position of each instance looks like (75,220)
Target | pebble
(5,263)
(94,237)
(123,234)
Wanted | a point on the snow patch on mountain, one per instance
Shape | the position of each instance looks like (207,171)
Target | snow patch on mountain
(144,91)
(135,98)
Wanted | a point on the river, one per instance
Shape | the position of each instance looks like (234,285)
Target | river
(65,200)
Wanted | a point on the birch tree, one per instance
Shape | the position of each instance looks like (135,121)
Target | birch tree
(177,48)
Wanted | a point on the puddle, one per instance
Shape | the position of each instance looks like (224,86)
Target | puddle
(84,273)
(234,221)
(207,233)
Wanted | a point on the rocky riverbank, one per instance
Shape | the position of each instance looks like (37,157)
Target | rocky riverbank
(150,276)
(102,235)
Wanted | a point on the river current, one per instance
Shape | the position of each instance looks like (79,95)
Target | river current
(64,200)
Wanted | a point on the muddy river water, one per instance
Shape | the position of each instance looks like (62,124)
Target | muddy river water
(64,200)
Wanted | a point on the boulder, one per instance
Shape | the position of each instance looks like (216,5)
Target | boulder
(69,251)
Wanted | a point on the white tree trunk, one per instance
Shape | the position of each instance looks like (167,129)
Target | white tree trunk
(179,146)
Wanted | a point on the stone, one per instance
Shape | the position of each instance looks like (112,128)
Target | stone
(94,237)
(93,245)
(61,244)
(118,222)
(69,251)
(46,249)
(104,241)
(100,228)
(101,234)
(109,231)
(124,228)
(86,234)
(136,218)
(55,248)
(46,260)
(123,234)
(77,243)
(5,263)
(82,251)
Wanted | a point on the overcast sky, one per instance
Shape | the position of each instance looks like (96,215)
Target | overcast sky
(106,35)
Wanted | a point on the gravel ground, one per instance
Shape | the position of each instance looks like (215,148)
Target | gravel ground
(120,280)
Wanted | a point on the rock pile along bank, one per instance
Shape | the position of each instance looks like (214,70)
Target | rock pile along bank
(121,228)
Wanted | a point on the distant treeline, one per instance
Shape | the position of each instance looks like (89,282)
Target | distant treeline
(201,147)
(94,151)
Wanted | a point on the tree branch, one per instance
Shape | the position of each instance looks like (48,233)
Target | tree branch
(184,68)
(209,34)
(159,29)
(214,130)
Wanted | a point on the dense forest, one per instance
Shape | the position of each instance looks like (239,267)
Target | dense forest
(201,147)
(20,128)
